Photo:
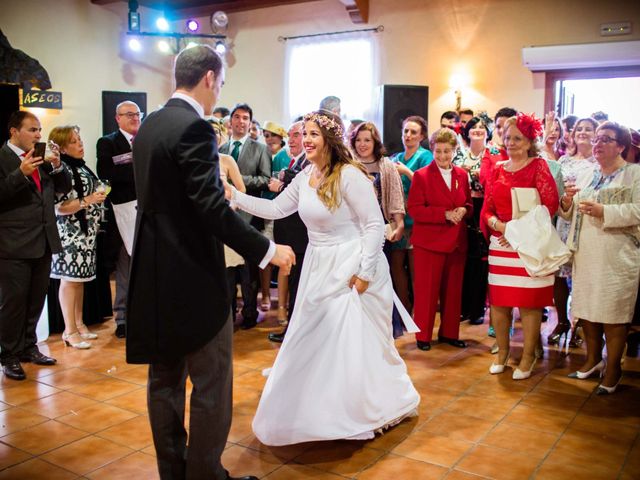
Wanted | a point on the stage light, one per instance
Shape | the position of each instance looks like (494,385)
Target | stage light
(162,24)
(163,46)
(134,16)
(219,22)
(192,25)
(135,45)
(220,47)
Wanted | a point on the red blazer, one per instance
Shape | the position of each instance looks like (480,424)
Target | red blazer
(429,199)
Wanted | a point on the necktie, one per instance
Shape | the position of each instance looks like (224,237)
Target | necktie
(235,153)
(35,176)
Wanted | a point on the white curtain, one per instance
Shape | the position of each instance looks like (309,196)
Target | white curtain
(344,65)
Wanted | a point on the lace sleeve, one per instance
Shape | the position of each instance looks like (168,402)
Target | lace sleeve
(546,186)
(359,194)
(489,205)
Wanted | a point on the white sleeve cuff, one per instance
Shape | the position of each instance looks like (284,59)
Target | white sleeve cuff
(270,254)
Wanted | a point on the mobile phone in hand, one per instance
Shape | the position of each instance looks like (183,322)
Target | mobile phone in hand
(39,149)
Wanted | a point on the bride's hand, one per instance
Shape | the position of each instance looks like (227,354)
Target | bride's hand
(361,285)
(228,190)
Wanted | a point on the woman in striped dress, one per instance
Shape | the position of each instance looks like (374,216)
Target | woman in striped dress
(509,283)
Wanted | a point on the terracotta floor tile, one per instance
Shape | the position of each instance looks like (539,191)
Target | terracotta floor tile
(134,466)
(553,400)
(535,418)
(498,463)
(241,461)
(151,450)
(343,457)
(481,407)
(139,374)
(614,408)
(600,425)
(245,400)
(294,471)
(71,378)
(393,467)
(43,437)
(520,439)
(607,451)
(14,419)
(59,404)
(252,379)
(458,475)
(36,469)
(134,433)
(10,456)
(105,389)
(135,401)
(96,417)
(395,435)
(86,455)
(4,406)
(240,427)
(559,466)
(433,448)
(462,427)
(25,392)
(566,385)
(285,453)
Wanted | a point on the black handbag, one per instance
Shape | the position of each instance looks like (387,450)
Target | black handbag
(477,244)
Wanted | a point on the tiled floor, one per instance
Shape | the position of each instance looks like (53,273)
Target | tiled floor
(86,418)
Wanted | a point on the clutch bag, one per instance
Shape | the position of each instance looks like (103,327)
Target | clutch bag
(523,200)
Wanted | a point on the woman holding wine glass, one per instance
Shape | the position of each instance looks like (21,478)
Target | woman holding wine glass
(78,219)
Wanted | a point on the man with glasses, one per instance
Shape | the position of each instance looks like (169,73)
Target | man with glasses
(115,164)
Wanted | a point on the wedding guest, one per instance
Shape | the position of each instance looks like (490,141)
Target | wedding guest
(604,207)
(78,219)
(439,203)
(490,159)
(509,283)
(552,136)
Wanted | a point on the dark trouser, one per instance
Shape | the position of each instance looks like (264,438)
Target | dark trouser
(233,277)
(294,280)
(23,288)
(249,287)
(122,284)
(210,371)
(474,288)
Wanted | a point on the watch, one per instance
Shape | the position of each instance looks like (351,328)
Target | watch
(494,222)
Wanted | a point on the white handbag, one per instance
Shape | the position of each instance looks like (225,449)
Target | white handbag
(523,200)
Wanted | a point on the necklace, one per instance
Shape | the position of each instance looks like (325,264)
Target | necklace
(368,163)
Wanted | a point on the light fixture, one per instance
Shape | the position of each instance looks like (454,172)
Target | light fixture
(457,82)
(192,25)
(219,22)
(221,48)
(191,45)
(163,46)
(134,16)
(135,45)
(162,24)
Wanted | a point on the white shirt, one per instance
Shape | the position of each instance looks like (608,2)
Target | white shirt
(127,135)
(242,141)
(446,175)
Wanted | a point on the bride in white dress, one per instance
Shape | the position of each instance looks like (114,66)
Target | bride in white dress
(338,374)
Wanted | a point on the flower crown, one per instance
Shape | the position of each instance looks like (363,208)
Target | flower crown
(529,125)
(325,122)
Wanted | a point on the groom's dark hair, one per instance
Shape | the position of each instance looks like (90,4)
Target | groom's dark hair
(193,63)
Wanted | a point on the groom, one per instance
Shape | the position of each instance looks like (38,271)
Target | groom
(178,304)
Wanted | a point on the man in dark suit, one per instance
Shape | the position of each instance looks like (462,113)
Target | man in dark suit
(291,230)
(254,162)
(115,163)
(178,303)
(28,236)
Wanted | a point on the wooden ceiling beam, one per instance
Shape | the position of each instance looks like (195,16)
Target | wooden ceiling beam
(358,10)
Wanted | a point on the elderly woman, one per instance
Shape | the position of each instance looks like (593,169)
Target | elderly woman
(439,202)
(78,217)
(509,283)
(414,157)
(572,166)
(604,208)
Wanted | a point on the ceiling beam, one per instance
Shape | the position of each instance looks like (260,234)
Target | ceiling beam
(358,10)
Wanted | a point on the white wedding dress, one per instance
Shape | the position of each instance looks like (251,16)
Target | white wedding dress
(338,374)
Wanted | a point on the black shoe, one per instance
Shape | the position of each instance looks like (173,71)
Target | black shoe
(476,321)
(38,358)
(248,477)
(13,370)
(121,331)
(425,346)
(248,325)
(277,337)
(453,342)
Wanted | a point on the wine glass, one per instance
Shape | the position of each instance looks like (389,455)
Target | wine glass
(103,186)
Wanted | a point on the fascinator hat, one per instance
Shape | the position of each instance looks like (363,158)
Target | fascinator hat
(530,126)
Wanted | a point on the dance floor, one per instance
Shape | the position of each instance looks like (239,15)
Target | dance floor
(87,418)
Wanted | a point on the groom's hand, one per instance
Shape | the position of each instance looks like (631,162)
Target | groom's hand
(284,258)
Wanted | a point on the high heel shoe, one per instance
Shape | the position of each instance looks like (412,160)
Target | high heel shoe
(523,375)
(576,340)
(599,367)
(497,368)
(282,315)
(602,390)
(562,329)
(68,341)
(85,333)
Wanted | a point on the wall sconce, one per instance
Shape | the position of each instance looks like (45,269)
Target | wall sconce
(457,82)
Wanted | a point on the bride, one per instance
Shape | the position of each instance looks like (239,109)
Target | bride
(338,374)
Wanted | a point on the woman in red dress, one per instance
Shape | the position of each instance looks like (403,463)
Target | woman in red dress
(439,202)
(509,283)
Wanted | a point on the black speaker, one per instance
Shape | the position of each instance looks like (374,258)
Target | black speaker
(9,103)
(397,103)
(110,101)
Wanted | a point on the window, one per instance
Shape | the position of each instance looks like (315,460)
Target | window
(343,66)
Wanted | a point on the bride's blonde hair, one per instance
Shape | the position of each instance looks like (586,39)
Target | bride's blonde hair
(339,155)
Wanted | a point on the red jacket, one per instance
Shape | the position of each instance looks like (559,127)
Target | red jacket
(429,199)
